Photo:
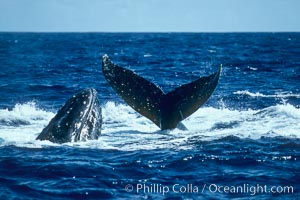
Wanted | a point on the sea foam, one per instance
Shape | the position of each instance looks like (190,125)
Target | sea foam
(125,129)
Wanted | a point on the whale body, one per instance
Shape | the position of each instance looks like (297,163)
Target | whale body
(164,110)
(79,119)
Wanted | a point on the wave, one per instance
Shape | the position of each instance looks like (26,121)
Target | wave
(47,87)
(124,129)
(20,125)
(258,94)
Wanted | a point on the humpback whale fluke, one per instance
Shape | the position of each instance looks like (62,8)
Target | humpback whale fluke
(78,120)
(164,110)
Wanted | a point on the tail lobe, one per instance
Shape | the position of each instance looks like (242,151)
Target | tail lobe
(164,110)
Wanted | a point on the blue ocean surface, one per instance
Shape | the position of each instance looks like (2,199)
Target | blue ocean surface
(243,143)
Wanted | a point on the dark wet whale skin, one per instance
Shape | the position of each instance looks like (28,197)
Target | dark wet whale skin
(79,119)
(164,110)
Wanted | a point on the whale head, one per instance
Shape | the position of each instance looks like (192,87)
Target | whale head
(79,119)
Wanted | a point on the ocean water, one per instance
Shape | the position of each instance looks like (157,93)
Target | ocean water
(244,143)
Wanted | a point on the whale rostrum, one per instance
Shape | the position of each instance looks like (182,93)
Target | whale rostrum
(79,119)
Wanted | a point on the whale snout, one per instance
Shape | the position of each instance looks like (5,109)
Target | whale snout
(78,120)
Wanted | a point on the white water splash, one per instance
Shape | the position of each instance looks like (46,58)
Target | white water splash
(22,124)
(258,94)
(124,129)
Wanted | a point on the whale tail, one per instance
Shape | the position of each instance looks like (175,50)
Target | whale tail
(164,110)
